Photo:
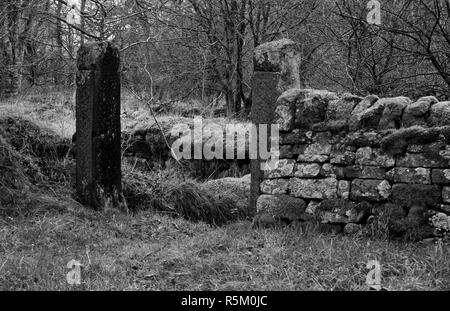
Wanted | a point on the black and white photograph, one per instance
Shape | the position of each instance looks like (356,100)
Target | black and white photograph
(224,150)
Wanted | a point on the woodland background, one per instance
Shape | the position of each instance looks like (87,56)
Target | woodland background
(176,50)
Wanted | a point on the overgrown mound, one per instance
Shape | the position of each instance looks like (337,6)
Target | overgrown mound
(31,158)
(30,139)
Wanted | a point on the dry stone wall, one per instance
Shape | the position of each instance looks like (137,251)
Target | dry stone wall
(356,163)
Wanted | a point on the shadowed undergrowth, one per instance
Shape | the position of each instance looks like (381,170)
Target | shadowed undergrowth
(37,160)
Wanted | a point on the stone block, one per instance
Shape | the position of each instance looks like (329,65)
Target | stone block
(408,195)
(416,113)
(363,139)
(409,175)
(441,177)
(308,170)
(446,196)
(312,207)
(342,108)
(313,108)
(354,122)
(284,168)
(373,157)
(291,151)
(393,112)
(275,209)
(275,186)
(343,212)
(284,116)
(365,172)
(370,190)
(344,158)
(441,222)
(440,114)
(296,137)
(370,119)
(426,160)
(317,152)
(329,170)
(314,188)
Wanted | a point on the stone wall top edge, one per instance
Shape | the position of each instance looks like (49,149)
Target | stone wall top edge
(322,110)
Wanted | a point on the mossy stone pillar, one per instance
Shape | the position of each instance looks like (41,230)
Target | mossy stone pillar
(98,135)
(276,69)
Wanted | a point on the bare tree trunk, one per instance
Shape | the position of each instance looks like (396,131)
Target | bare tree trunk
(83,22)
(240,41)
(18,29)
(229,97)
(13,79)
(59,42)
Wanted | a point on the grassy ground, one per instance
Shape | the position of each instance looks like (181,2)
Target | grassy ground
(147,251)
(44,228)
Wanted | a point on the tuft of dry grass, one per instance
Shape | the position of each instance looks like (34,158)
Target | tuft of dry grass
(196,204)
(169,191)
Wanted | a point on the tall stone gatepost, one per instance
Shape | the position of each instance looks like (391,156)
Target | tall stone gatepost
(276,69)
(98,129)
